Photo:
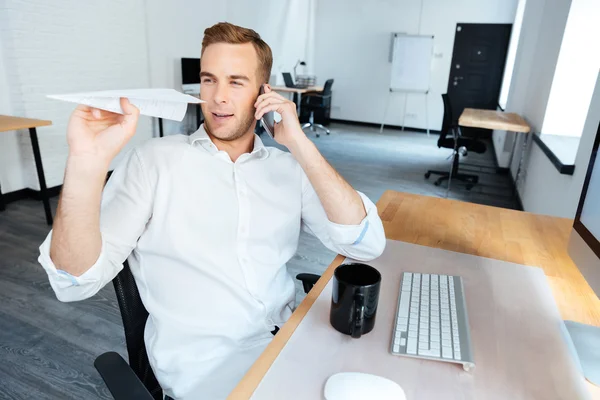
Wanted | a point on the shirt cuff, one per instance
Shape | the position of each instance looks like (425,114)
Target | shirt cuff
(60,279)
(352,234)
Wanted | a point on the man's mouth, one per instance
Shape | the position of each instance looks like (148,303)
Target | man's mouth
(222,117)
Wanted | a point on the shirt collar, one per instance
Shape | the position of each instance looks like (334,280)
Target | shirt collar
(202,137)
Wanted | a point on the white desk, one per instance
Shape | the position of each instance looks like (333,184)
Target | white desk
(518,346)
(498,233)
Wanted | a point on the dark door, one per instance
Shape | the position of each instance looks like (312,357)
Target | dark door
(477,67)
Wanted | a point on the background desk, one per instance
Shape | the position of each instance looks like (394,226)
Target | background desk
(8,123)
(498,233)
(299,91)
(490,119)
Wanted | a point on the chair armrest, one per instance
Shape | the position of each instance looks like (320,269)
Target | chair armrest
(308,280)
(317,100)
(316,94)
(120,379)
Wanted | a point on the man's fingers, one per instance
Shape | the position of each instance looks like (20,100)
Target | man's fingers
(277,107)
(127,107)
(260,110)
(268,95)
(83,107)
(130,112)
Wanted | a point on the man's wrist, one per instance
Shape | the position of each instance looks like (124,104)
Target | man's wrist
(87,166)
(298,145)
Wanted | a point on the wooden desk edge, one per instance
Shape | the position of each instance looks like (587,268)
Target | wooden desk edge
(19,123)
(514,128)
(297,90)
(256,373)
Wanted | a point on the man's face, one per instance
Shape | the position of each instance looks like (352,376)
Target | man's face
(229,85)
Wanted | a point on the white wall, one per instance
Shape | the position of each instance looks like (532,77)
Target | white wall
(61,47)
(352,46)
(11,175)
(539,45)
(548,192)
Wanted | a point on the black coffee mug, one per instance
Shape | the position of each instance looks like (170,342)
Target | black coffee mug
(354,299)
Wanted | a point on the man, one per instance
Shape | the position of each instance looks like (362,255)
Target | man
(207,222)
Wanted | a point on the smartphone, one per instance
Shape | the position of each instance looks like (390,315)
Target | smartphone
(268,120)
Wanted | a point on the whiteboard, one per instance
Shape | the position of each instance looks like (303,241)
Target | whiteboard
(411,62)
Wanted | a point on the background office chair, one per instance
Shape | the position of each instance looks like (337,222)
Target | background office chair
(451,138)
(136,381)
(318,103)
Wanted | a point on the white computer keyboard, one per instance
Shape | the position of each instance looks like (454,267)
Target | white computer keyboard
(431,320)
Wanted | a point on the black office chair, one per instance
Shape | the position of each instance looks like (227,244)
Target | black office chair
(461,146)
(320,103)
(136,381)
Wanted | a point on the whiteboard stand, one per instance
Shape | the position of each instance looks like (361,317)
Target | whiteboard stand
(404,113)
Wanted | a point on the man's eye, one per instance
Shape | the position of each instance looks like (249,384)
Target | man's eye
(236,83)
(206,80)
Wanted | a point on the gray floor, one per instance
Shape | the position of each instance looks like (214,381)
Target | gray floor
(47,348)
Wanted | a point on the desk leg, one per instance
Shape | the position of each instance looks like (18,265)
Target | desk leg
(298,106)
(160,128)
(198,116)
(40,172)
(512,152)
(2,203)
(426,114)
(524,149)
(404,112)
(510,161)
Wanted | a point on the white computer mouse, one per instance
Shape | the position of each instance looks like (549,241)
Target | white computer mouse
(359,386)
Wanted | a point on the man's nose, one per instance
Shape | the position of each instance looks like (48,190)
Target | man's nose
(221,94)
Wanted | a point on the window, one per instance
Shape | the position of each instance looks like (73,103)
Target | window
(576,71)
(512,53)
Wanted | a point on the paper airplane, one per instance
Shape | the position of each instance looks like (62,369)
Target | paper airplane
(161,103)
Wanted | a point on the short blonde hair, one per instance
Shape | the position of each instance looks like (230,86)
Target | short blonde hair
(224,32)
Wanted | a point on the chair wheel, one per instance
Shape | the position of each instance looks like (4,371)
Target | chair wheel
(436,183)
(469,186)
(427,175)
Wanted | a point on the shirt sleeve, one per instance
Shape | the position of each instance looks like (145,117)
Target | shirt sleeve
(125,210)
(364,242)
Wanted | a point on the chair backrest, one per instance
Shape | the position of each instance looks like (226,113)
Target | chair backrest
(287,78)
(134,316)
(327,87)
(447,120)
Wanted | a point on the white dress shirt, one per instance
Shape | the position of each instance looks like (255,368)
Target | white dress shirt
(207,241)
